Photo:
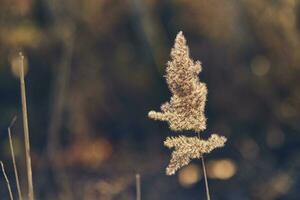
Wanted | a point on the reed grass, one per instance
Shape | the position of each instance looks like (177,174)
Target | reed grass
(26,130)
(7,181)
(185,110)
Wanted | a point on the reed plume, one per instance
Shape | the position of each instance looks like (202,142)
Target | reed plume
(185,110)
(187,148)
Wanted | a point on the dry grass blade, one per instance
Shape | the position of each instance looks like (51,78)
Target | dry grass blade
(14,158)
(26,130)
(138,186)
(7,181)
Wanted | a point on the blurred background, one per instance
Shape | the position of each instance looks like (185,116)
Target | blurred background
(94,68)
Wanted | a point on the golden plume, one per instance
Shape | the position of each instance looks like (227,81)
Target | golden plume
(185,110)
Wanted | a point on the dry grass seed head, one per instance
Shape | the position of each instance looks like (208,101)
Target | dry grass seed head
(185,110)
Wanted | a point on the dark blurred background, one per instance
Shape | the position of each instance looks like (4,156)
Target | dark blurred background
(95,68)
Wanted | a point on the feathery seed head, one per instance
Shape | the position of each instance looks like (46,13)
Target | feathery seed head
(187,148)
(185,110)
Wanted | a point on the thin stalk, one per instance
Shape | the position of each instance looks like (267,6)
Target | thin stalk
(26,130)
(205,178)
(7,181)
(205,175)
(14,158)
(59,107)
(138,186)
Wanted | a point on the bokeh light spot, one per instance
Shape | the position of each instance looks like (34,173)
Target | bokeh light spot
(15,63)
(221,169)
(260,66)
(281,183)
(189,175)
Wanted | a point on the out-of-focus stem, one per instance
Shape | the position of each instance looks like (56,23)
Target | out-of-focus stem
(26,130)
(13,157)
(138,186)
(7,181)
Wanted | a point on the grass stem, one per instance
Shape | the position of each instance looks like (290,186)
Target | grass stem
(205,175)
(138,186)
(205,178)
(26,130)
(7,181)
(14,158)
